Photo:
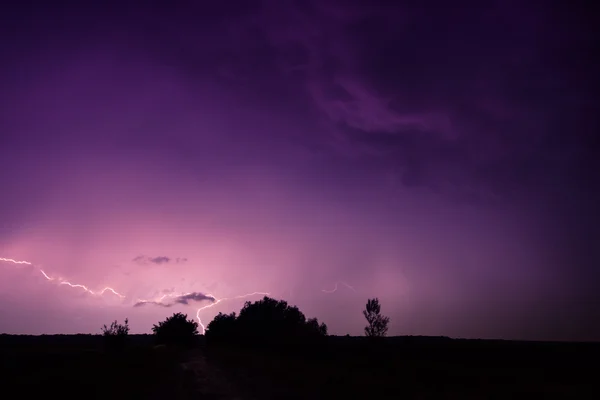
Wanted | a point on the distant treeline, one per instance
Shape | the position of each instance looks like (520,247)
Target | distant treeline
(66,340)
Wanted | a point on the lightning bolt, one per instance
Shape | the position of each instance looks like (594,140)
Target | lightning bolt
(160,299)
(46,275)
(10,260)
(217,301)
(61,281)
(335,288)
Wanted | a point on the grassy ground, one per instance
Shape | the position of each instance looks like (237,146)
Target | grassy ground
(80,369)
(344,368)
(419,369)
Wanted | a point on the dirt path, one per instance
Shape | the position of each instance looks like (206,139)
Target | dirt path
(205,381)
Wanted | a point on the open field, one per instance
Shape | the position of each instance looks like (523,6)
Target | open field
(419,368)
(76,366)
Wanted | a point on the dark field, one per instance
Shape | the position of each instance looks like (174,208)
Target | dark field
(78,367)
(412,367)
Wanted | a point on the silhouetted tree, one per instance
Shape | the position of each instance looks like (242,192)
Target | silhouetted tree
(115,335)
(266,322)
(176,330)
(378,324)
(315,328)
(221,328)
(272,320)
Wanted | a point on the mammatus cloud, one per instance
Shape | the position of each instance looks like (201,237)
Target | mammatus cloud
(172,300)
(143,260)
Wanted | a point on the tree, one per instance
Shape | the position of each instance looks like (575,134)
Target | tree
(378,324)
(115,335)
(270,320)
(265,322)
(176,330)
(315,328)
(221,328)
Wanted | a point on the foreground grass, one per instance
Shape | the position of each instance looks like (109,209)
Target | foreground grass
(436,370)
(86,371)
(339,368)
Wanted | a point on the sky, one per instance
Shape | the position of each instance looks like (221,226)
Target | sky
(441,157)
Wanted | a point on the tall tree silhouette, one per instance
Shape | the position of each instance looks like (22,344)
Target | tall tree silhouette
(378,324)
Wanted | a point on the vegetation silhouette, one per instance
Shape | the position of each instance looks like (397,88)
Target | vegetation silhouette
(266,323)
(345,367)
(115,336)
(378,324)
(176,330)
(222,328)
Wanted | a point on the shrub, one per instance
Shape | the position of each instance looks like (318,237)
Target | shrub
(176,330)
(221,328)
(116,335)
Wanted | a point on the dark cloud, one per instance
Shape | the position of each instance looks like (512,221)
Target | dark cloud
(441,99)
(444,100)
(139,259)
(184,299)
(193,297)
(143,260)
(156,303)
(373,118)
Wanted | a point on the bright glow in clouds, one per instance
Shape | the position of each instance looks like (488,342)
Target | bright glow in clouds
(62,281)
(10,260)
(159,301)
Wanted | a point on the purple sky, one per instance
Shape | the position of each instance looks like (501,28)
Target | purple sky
(441,157)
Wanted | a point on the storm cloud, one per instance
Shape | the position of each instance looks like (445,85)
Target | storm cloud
(158,260)
(442,157)
(183,299)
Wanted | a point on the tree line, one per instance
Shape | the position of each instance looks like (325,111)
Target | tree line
(263,322)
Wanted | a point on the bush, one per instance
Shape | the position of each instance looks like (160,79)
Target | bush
(176,330)
(265,322)
(222,328)
(115,336)
(315,328)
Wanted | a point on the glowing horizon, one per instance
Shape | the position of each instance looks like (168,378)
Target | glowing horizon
(153,301)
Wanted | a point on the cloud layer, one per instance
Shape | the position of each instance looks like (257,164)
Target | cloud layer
(442,158)
(184,299)
(143,260)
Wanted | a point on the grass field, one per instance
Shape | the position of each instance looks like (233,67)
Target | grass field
(433,368)
(76,366)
